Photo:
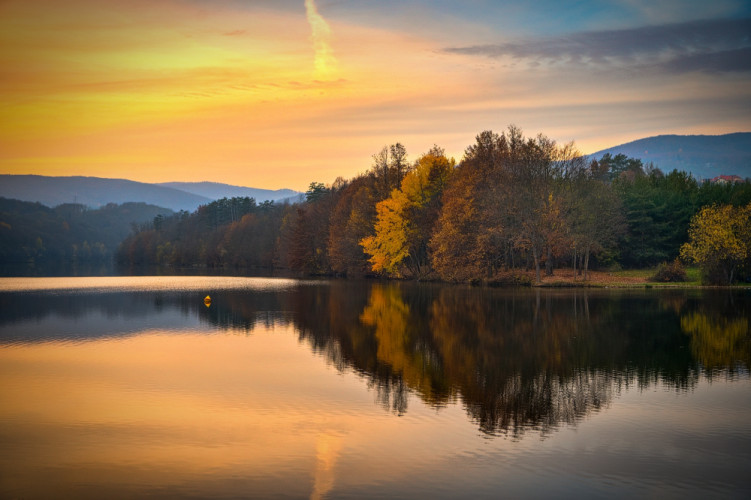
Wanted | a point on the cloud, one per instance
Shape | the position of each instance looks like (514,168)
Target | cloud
(709,46)
(325,63)
(738,60)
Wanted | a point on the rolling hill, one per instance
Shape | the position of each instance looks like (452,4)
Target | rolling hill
(705,156)
(216,191)
(94,192)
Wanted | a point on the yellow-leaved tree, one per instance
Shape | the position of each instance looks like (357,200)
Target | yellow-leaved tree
(405,220)
(719,241)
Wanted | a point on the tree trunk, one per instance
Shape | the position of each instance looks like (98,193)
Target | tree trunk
(536,258)
(549,262)
(574,263)
(586,263)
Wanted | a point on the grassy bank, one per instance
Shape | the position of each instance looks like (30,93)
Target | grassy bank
(632,278)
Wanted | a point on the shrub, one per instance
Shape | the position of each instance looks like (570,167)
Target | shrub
(669,272)
(510,279)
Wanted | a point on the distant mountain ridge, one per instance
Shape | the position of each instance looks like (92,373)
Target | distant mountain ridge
(95,192)
(217,191)
(704,156)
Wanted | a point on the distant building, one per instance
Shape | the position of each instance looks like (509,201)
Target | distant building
(725,179)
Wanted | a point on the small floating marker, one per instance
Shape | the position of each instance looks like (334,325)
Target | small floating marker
(207,301)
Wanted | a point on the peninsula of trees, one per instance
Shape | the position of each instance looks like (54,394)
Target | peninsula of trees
(512,203)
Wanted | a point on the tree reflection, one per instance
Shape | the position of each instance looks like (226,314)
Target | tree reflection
(370,330)
(517,359)
(402,345)
(719,335)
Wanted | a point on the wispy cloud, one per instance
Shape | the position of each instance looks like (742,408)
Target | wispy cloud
(709,46)
(738,60)
(325,62)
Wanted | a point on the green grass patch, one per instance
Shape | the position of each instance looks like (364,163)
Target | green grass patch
(693,275)
(635,273)
(693,278)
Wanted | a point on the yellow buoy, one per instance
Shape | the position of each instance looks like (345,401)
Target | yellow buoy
(207,301)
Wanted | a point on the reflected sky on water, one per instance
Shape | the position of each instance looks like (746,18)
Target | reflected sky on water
(132,386)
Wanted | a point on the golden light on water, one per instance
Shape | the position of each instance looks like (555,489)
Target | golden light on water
(328,446)
(195,407)
(130,387)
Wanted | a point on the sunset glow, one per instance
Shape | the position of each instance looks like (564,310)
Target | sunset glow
(280,94)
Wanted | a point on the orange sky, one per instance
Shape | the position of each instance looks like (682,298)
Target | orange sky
(279,94)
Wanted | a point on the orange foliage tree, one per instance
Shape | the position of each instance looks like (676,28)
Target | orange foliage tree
(405,220)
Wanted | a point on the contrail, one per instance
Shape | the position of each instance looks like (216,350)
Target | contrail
(325,63)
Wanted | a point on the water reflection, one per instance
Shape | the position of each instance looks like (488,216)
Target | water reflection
(516,359)
(526,359)
(719,334)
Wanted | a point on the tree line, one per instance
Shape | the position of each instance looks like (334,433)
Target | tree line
(513,203)
(32,234)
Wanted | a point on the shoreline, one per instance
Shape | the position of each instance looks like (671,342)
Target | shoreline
(561,278)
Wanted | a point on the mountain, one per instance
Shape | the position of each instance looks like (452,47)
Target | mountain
(705,156)
(217,191)
(95,192)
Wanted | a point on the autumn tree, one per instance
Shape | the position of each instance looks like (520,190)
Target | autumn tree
(504,199)
(303,235)
(472,234)
(719,241)
(251,242)
(398,161)
(405,220)
(594,215)
(537,166)
(352,219)
(389,168)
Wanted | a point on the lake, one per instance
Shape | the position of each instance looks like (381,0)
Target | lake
(126,387)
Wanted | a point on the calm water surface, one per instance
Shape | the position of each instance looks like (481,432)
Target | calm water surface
(132,387)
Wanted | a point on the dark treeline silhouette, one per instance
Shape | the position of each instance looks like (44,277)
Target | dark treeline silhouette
(512,203)
(518,359)
(233,232)
(31,233)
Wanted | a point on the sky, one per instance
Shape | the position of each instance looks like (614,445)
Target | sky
(281,93)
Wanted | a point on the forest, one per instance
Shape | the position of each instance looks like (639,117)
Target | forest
(32,233)
(512,204)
